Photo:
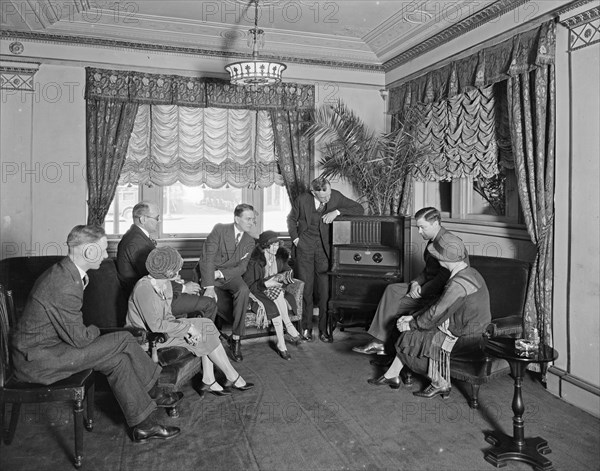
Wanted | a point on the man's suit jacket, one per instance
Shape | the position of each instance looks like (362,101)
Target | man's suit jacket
(51,330)
(220,253)
(132,252)
(299,218)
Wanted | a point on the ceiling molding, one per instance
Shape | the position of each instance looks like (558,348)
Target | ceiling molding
(478,19)
(159,48)
(581,18)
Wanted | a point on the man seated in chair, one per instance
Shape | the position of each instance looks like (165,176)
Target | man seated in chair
(223,261)
(453,324)
(51,343)
(132,252)
(400,299)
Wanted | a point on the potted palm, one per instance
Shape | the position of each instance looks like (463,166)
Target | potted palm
(377,165)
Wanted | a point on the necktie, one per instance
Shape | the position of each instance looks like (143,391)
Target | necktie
(85,281)
(238,237)
(153,241)
(321,207)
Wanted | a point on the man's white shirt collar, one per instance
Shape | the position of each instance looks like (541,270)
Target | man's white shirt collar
(317,203)
(236,231)
(82,273)
(145,231)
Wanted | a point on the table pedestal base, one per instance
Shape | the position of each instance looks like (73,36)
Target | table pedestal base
(506,450)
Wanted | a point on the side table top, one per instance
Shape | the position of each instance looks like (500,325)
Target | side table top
(504,347)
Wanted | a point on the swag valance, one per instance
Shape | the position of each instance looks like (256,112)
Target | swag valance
(160,89)
(521,53)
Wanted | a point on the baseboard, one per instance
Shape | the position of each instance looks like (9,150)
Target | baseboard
(574,390)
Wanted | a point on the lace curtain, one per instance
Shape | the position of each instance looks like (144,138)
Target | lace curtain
(212,146)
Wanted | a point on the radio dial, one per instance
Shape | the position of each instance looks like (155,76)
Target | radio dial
(377,257)
(357,257)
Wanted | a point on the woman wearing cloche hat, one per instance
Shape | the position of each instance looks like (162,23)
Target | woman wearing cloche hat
(150,309)
(268,271)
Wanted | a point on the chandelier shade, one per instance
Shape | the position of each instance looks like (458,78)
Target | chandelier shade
(255,72)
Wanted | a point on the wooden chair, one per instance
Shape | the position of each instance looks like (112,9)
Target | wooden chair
(77,389)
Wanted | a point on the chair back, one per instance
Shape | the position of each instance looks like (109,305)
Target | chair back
(6,321)
(506,280)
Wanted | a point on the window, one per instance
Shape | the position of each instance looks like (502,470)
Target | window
(193,211)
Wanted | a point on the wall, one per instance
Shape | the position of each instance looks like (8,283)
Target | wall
(577,202)
(43,191)
(574,376)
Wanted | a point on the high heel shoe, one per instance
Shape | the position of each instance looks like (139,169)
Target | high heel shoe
(284,354)
(393,383)
(204,388)
(229,385)
(431,391)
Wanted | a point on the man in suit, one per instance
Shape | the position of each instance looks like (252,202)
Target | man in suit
(309,225)
(223,261)
(400,299)
(50,341)
(132,252)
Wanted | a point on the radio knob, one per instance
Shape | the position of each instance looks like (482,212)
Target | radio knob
(377,257)
(357,257)
(342,288)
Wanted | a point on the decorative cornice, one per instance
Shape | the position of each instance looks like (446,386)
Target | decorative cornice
(17,75)
(573,6)
(584,29)
(476,20)
(581,18)
(160,48)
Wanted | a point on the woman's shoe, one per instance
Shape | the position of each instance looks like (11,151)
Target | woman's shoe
(229,385)
(393,383)
(204,388)
(293,340)
(284,354)
(431,391)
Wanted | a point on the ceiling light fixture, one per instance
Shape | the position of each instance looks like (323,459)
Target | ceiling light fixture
(255,72)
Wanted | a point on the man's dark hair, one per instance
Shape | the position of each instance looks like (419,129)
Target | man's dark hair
(430,214)
(81,234)
(319,184)
(240,208)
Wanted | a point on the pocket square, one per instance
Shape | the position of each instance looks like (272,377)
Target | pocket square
(245,255)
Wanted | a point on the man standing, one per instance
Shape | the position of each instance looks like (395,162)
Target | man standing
(132,252)
(400,299)
(309,225)
(223,261)
(50,341)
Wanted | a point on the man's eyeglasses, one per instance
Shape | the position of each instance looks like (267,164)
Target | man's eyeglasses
(156,218)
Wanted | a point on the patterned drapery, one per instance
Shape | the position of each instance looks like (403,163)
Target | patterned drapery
(212,146)
(108,126)
(531,100)
(294,151)
(460,134)
(160,89)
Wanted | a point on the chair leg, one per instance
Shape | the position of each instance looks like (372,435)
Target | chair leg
(12,427)
(78,424)
(89,421)
(474,399)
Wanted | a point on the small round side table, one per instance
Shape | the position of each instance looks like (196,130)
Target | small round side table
(517,447)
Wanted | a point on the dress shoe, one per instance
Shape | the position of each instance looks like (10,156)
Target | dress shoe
(168,399)
(382,360)
(325,337)
(431,391)
(206,388)
(229,385)
(393,383)
(284,354)
(141,434)
(293,340)
(236,349)
(307,335)
(372,348)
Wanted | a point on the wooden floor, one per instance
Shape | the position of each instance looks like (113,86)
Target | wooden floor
(315,412)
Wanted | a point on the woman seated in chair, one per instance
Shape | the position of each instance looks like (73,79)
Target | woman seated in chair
(453,324)
(150,308)
(267,272)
